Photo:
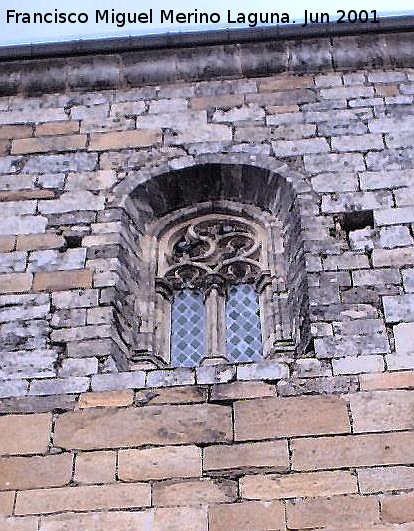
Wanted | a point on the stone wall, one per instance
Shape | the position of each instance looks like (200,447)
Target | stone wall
(317,438)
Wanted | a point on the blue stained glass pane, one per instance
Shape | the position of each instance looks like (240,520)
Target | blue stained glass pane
(187,329)
(244,337)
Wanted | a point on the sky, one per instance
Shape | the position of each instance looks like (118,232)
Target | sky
(26,33)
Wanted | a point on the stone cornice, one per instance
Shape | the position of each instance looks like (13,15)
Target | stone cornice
(152,60)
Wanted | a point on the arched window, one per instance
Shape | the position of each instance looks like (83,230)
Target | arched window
(214,287)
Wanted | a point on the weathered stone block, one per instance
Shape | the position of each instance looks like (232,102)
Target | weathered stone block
(95,467)
(311,484)
(179,376)
(264,370)
(382,410)
(59,386)
(28,364)
(399,308)
(23,225)
(124,139)
(272,456)
(72,202)
(55,260)
(26,434)
(356,511)
(283,417)
(106,399)
(46,143)
(119,381)
(83,298)
(159,463)
(84,498)
(39,242)
(246,516)
(352,451)
(78,367)
(62,280)
(15,282)
(194,492)
(35,472)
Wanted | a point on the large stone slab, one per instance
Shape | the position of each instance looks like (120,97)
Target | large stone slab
(198,423)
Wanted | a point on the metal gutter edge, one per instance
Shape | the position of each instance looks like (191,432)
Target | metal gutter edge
(202,38)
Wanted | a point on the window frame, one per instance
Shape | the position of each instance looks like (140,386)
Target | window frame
(270,284)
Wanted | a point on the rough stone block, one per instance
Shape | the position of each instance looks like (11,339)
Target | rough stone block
(124,139)
(356,511)
(72,202)
(171,395)
(50,260)
(207,133)
(272,456)
(357,142)
(381,479)
(215,374)
(150,425)
(398,508)
(283,417)
(83,498)
(75,299)
(358,365)
(24,473)
(165,378)
(23,225)
(15,282)
(311,484)
(352,451)
(119,381)
(69,162)
(246,516)
(39,242)
(47,143)
(159,463)
(377,411)
(240,390)
(399,308)
(62,280)
(59,386)
(95,467)
(25,434)
(78,367)
(106,399)
(194,492)
(293,148)
(63,127)
(264,370)
(332,162)
(28,364)
(6,503)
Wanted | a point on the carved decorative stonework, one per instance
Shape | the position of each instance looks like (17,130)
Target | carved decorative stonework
(213,251)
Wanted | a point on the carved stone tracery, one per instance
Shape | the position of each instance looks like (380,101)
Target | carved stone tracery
(213,250)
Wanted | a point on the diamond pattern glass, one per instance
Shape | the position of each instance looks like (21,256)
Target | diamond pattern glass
(187,329)
(244,337)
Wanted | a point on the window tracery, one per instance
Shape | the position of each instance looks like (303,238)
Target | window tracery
(214,287)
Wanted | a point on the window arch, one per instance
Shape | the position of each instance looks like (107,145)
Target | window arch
(160,198)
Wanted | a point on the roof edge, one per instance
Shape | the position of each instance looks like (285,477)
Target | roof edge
(113,45)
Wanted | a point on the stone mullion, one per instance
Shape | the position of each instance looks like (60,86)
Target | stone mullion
(215,329)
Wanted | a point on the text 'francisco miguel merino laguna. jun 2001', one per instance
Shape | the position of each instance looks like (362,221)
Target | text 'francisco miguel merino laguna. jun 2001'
(195,17)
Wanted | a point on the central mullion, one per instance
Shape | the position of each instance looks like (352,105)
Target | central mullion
(215,327)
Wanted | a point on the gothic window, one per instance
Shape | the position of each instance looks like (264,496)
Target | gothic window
(214,291)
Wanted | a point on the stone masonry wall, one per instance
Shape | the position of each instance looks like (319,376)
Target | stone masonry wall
(323,439)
